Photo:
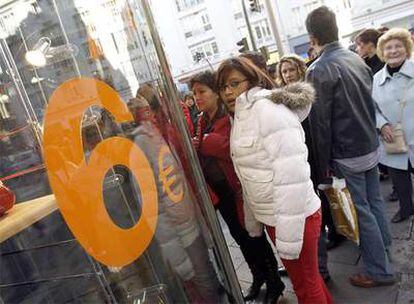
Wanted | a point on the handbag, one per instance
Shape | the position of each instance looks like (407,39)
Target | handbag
(7,199)
(342,209)
(399,145)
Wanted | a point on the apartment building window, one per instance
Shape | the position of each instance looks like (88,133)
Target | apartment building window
(215,47)
(206,22)
(35,8)
(195,24)
(205,19)
(258,32)
(108,4)
(311,6)
(238,15)
(203,50)
(266,27)
(186,4)
(262,30)
(347,3)
(297,17)
(114,41)
(91,28)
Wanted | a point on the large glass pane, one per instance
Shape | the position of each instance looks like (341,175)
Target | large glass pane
(111,205)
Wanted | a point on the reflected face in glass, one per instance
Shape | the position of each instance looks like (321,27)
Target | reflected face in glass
(206,99)
(394,52)
(189,102)
(235,84)
(290,73)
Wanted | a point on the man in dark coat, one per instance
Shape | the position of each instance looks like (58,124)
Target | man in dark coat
(342,123)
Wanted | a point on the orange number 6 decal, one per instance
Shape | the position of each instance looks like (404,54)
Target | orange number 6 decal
(78,186)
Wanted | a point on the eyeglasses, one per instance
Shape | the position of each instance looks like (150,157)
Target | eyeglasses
(232,85)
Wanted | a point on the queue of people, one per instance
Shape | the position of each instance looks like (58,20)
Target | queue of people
(212,142)
(265,145)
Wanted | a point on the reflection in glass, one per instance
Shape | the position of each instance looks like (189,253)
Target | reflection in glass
(43,45)
(37,55)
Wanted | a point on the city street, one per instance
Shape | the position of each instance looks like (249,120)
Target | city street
(345,261)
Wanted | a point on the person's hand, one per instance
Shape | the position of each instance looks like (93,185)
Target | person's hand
(387,133)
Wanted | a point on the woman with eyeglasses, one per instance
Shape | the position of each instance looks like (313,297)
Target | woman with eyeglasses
(212,143)
(269,154)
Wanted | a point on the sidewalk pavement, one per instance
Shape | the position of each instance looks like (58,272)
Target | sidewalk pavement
(345,261)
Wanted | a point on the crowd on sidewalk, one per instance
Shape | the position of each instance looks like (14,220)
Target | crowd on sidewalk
(267,142)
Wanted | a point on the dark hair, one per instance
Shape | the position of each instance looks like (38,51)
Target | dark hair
(207,78)
(150,93)
(271,69)
(321,24)
(255,76)
(368,35)
(257,59)
(352,47)
(383,29)
(188,95)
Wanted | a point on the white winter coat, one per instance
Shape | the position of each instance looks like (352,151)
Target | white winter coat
(270,157)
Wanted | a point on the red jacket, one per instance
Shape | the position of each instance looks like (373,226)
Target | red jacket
(187,116)
(216,143)
(171,136)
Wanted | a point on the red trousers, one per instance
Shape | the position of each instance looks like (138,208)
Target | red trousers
(304,273)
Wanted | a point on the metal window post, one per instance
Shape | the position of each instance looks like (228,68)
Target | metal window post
(273,25)
(222,251)
(249,27)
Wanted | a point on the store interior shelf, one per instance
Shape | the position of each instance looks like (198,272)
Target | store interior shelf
(26,214)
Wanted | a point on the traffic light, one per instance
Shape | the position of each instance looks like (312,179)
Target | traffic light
(254,5)
(243,44)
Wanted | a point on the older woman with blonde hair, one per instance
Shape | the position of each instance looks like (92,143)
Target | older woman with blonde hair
(393,90)
(291,69)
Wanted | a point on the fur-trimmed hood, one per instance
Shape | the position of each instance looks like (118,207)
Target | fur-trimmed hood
(270,158)
(295,96)
(298,97)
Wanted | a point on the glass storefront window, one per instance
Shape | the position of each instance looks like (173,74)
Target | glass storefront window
(111,205)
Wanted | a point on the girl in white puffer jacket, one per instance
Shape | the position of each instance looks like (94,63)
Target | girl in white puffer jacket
(270,157)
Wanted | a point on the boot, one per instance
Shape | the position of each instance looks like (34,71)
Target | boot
(252,259)
(251,249)
(263,264)
(274,284)
(273,295)
(258,281)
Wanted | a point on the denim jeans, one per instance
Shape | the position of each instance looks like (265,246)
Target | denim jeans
(374,232)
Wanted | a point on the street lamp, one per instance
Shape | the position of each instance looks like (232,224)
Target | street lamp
(43,53)
(37,55)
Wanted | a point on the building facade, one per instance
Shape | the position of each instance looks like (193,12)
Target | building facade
(378,13)
(210,28)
